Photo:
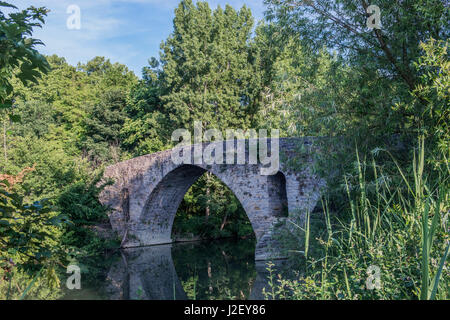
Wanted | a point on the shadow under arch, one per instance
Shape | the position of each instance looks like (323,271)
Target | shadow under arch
(278,195)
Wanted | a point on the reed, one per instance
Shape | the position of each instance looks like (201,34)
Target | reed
(402,229)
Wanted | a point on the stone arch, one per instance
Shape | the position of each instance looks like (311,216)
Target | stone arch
(164,200)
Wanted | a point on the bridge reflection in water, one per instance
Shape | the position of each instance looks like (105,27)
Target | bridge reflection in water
(204,271)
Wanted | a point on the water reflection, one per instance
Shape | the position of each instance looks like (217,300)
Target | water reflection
(202,271)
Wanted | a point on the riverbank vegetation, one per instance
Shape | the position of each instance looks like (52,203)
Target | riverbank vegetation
(380,97)
(391,242)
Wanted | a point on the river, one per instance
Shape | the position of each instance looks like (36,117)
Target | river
(206,270)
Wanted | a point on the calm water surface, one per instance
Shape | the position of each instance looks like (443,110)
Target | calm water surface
(210,270)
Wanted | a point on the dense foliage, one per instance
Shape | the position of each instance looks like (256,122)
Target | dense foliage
(311,68)
(387,87)
(400,236)
(18,54)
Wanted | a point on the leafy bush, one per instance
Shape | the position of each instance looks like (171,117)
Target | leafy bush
(16,284)
(81,204)
(29,235)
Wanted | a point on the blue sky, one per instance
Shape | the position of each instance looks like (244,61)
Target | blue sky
(125,31)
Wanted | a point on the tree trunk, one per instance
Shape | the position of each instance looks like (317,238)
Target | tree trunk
(4,142)
(224,222)
(207,211)
(210,277)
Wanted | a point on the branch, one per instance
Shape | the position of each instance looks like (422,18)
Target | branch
(407,77)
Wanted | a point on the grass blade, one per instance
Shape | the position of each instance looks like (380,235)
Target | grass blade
(437,277)
(24,294)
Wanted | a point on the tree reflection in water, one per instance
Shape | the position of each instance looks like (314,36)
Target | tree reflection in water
(217,270)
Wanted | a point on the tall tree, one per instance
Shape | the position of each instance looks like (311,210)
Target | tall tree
(147,128)
(208,67)
(18,54)
(382,59)
(102,128)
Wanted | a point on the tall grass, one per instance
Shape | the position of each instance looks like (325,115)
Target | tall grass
(400,229)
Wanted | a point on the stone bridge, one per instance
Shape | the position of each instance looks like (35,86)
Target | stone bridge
(148,190)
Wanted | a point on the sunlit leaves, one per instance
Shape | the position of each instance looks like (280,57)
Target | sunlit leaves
(18,54)
(25,229)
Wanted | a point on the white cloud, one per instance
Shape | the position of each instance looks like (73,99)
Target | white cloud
(126,31)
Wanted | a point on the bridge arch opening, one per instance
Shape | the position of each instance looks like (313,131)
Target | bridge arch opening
(278,195)
(211,210)
(166,199)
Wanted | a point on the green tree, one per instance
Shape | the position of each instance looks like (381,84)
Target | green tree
(28,235)
(147,128)
(18,54)
(102,128)
(79,201)
(382,60)
(18,57)
(303,89)
(208,68)
(368,96)
(433,68)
